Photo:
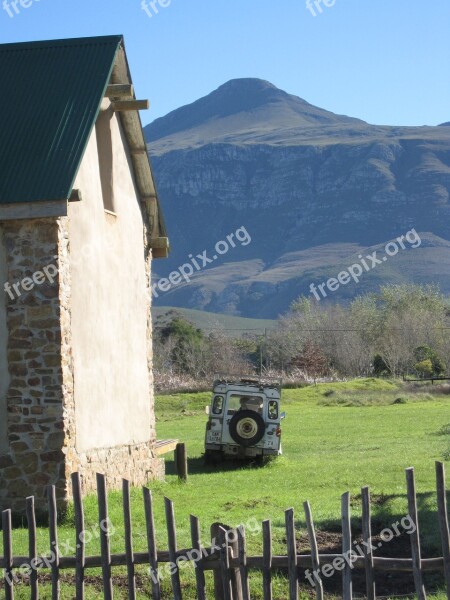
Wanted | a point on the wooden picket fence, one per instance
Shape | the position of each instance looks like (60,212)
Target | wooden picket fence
(227,557)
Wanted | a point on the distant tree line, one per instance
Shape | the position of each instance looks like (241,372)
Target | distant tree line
(402,329)
(184,355)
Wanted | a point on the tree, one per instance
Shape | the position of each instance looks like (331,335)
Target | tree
(380,368)
(312,360)
(187,345)
(424,368)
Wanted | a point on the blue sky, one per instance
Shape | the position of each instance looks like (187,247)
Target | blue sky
(385,61)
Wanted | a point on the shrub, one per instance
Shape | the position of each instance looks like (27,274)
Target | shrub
(424,368)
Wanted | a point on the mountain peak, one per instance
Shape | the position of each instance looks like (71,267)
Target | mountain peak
(248,85)
(237,108)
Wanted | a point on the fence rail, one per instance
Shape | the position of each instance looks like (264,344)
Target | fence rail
(227,556)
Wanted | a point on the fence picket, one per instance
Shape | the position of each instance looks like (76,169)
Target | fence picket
(32,548)
(315,559)
(217,573)
(292,554)
(128,539)
(225,563)
(367,537)
(235,573)
(242,545)
(172,538)
(415,535)
(228,558)
(8,552)
(267,560)
(80,555)
(54,550)
(103,521)
(347,587)
(443,521)
(151,543)
(196,545)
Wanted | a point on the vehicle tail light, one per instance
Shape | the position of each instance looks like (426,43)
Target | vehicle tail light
(208,425)
(278,432)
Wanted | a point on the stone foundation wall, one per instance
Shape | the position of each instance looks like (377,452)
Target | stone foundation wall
(35,416)
(135,463)
(40,398)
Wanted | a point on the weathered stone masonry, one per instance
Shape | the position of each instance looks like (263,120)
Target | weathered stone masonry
(35,419)
(40,398)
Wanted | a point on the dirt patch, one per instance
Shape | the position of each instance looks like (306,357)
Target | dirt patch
(387,583)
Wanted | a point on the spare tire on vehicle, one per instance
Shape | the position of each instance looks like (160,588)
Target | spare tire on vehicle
(247,428)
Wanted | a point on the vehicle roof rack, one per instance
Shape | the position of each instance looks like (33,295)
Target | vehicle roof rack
(260,380)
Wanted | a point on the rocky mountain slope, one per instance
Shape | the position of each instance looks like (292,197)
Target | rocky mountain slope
(314,190)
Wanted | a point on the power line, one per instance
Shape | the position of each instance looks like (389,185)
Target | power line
(262,329)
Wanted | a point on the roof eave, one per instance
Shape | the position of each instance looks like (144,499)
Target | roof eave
(145,182)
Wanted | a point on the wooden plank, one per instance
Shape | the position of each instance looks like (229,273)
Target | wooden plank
(172,539)
(32,548)
(80,554)
(54,551)
(129,105)
(225,564)
(267,558)
(367,537)
(406,564)
(151,544)
(314,551)
(165,446)
(159,242)
(242,544)
(181,461)
(128,528)
(415,536)
(33,210)
(8,554)
(119,90)
(291,554)
(235,573)
(217,574)
(103,521)
(160,253)
(211,563)
(443,521)
(347,588)
(199,570)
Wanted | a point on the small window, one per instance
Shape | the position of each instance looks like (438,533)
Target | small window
(105,158)
(273,410)
(218,405)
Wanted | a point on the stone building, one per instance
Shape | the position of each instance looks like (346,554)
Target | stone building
(79,224)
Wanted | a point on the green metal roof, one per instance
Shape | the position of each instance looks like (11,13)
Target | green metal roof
(52,96)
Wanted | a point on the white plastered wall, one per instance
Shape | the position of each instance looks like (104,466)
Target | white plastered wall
(109,306)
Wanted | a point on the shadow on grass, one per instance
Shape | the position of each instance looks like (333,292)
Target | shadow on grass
(197,466)
(329,539)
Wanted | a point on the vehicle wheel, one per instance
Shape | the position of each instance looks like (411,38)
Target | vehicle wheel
(247,428)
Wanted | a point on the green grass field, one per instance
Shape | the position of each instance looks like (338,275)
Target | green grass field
(336,438)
